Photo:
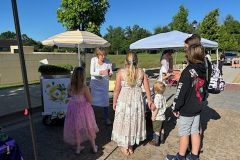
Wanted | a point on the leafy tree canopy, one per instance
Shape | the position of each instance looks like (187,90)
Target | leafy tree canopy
(83,14)
(8,35)
(227,41)
(160,29)
(232,25)
(121,39)
(135,33)
(180,21)
(116,37)
(209,27)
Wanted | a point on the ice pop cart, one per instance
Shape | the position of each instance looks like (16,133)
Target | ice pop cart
(54,97)
(54,81)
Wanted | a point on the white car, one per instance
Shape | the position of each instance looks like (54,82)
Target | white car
(229,55)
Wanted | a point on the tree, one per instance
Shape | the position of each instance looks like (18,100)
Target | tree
(8,35)
(83,14)
(160,29)
(116,37)
(121,39)
(209,27)
(227,41)
(232,25)
(135,33)
(180,21)
(27,41)
(233,28)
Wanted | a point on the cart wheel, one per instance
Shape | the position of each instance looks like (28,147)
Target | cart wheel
(47,120)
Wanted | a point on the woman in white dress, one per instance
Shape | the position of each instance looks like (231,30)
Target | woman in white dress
(129,125)
(100,71)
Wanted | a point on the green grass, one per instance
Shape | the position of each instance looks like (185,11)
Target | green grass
(149,60)
(145,60)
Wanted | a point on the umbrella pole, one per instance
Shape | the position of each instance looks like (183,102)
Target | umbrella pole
(24,74)
(79,58)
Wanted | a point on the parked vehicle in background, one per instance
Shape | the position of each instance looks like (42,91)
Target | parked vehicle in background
(229,55)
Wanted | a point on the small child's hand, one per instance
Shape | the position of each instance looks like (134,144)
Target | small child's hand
(114,106)
(152,107)
(176,114)
(153,118)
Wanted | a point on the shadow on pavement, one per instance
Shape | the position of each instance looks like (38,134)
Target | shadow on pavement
(206,115)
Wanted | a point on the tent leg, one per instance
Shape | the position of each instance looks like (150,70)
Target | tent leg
(217,58)
(79,58)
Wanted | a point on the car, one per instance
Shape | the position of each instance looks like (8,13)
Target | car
(229,55)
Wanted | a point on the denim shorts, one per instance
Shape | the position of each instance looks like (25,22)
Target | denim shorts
(188,125)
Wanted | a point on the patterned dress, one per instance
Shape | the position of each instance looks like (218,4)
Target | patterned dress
(80,121)
(129,125)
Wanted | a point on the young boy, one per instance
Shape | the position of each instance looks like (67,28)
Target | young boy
(158,115)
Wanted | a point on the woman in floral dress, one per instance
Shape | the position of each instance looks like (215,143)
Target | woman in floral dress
(129,125)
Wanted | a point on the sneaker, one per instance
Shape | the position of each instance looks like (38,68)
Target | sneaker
(108,122)
(162,138)
(173,157)
(189,157)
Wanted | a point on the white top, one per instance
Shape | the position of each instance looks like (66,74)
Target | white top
(161,72)
(165,63)
(95,68)
(209,58)
(161,105)
(99,84)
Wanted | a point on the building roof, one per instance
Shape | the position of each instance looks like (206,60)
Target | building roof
(7,43)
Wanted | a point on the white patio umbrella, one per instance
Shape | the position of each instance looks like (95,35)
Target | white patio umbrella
(80,39)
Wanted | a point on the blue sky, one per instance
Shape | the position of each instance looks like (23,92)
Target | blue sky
(38,18)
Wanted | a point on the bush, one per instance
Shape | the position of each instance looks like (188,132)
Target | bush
(55,69)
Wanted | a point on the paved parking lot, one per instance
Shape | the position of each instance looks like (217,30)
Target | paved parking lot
(221,140)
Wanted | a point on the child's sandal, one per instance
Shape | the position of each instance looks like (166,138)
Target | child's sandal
(130,150)
(125,151)
(79,150)
(95,149)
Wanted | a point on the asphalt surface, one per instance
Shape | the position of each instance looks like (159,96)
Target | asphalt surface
(49,138)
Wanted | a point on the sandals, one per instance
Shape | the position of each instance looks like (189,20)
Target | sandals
(130,150)
(95,149)
(125,151)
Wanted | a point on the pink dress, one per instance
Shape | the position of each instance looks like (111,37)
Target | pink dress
(80,121)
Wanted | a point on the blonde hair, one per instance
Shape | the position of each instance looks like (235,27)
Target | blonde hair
(132,61)
(100,51)
(77,80)
(159,87)
(195,54)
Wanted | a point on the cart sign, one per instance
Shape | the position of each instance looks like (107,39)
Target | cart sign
(55,95)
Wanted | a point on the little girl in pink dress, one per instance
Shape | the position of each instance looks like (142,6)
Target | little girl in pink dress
(80,124)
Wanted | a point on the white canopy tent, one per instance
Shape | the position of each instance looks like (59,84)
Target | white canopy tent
(169,40)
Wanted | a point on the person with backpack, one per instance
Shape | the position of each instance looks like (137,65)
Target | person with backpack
(188,103)
(196,39)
